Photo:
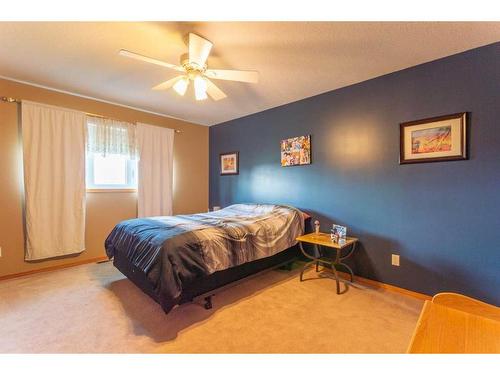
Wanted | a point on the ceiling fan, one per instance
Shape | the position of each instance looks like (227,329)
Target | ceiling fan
(193,65)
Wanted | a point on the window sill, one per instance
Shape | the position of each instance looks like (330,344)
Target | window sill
(111,190)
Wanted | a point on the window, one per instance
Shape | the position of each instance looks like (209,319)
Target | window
(111,154)
(113,171)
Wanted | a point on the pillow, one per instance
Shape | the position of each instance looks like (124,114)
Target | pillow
(305,215)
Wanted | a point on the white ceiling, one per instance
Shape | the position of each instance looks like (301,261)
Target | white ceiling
(295,59)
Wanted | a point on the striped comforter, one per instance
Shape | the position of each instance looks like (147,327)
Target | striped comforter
(172,251)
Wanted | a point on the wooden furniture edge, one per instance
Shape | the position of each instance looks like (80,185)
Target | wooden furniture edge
(53,268)
(393,288)
(313,238)
(425,339)
(421,320)
(467,304)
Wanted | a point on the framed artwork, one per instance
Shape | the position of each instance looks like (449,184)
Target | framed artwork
(339,230)
(229,163)
(440,138)
(296,151)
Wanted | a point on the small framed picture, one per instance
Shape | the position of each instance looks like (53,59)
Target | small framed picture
(441,138)
(296,151)
(229,163)
(339,230)
(338,234)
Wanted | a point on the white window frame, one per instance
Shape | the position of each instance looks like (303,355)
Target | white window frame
(131,176)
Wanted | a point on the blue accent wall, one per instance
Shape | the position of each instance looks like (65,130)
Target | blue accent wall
(442,218)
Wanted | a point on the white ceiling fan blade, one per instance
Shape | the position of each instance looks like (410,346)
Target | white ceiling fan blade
(214,92)
(234,75)
(167,84)
(199,49)
(133,55)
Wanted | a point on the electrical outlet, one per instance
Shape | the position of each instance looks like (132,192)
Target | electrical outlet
(395,260)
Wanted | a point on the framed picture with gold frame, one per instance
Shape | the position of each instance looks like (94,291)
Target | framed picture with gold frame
(229,163)
(442,138)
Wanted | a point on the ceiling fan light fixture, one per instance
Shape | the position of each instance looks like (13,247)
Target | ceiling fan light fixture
(181,86)
(200,88)
(194,68)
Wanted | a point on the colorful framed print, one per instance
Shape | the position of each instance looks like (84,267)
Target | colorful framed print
(296,151)
(440,138)
(229,163)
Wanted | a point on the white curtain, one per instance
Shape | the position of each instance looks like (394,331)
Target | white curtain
(106,136)
(54,178)
(155,149)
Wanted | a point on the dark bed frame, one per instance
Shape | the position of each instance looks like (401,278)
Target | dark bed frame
(206,287)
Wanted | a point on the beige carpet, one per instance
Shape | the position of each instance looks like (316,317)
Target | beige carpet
(93,308)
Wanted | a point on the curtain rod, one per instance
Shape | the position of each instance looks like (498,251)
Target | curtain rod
(13,100)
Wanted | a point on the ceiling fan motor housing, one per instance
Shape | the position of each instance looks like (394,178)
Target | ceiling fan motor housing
(192,69)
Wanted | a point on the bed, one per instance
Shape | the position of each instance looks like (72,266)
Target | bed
(175,259)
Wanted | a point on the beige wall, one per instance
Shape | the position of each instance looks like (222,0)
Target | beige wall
(104,210)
